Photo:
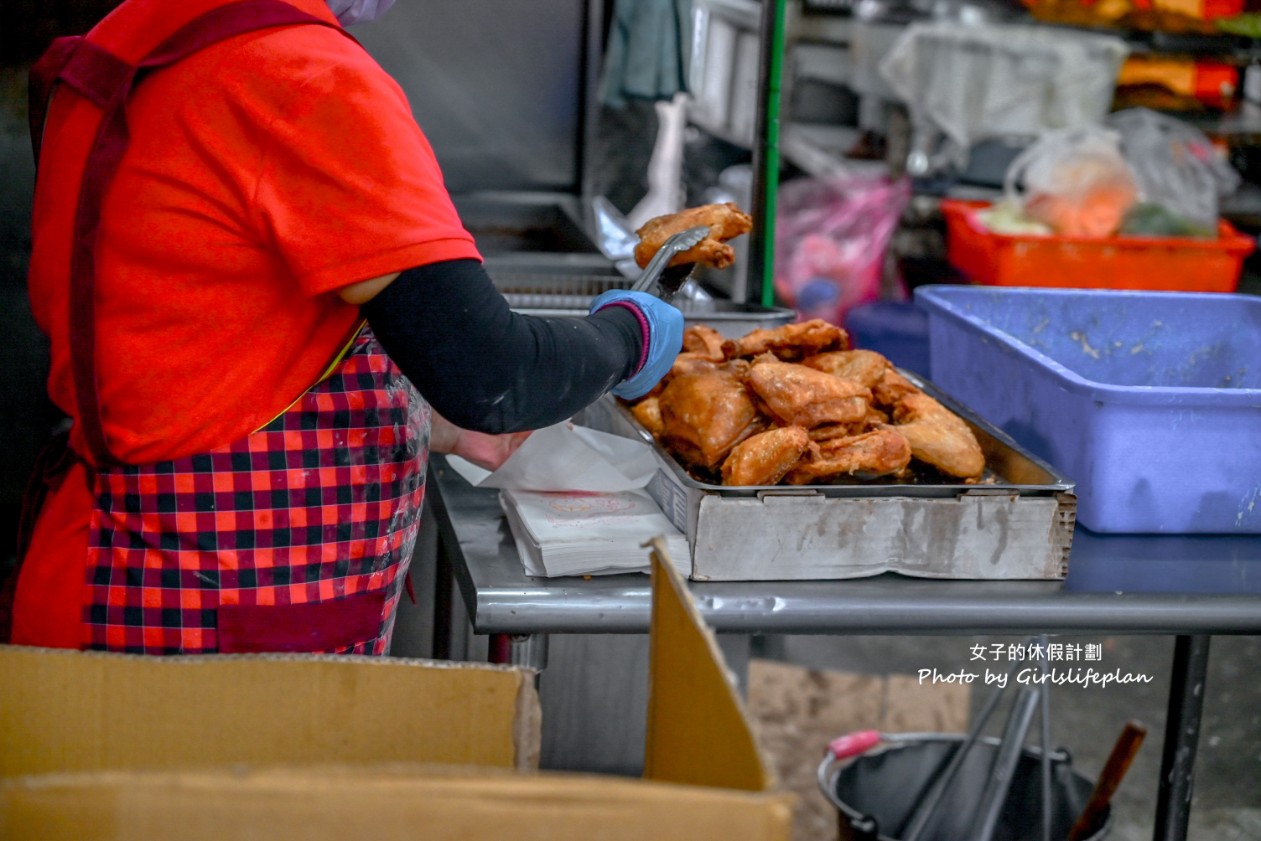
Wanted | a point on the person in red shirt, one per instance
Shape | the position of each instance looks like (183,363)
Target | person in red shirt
(263,312)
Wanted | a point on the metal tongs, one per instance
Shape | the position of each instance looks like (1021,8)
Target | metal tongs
(663,280)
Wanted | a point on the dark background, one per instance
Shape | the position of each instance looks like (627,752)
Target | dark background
(26,416)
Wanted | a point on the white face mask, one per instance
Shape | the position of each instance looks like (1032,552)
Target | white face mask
(350,12)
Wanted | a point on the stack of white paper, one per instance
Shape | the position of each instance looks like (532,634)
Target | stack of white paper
(563,533)
(575,503)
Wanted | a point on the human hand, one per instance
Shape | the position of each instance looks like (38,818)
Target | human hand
(484,450)
(664,338)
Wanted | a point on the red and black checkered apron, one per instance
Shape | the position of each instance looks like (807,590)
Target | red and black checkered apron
(296,537)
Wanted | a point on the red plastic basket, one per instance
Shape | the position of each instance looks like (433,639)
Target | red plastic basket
(1169,264)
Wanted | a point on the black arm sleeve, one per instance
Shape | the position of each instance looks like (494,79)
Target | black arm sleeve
(486,368)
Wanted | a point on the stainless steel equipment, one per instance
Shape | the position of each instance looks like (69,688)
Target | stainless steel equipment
(505,93)
(502,90)
(570,294)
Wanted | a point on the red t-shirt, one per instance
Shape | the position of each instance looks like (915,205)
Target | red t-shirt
(263,173)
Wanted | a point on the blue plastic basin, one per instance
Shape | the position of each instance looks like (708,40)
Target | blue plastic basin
(1150,401)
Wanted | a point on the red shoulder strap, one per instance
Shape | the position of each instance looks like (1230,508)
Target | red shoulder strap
(43,77)
(106,81)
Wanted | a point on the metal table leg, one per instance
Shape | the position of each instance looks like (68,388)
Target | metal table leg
(528,650)
(1182,736)
(444,584)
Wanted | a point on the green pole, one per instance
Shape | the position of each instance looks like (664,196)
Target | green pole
(770,145)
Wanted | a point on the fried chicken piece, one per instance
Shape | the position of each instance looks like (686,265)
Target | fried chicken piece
(763,459)
(705,414)
(800,396)
(892,389)
(880,452)
(789,342)
(724,221)
(861,366)
(702,350)
(938,436)
(874,418)
(691,363)
(648,413)
(704,341)
(828,431)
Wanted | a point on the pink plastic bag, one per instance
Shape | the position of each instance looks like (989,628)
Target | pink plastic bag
(830,242)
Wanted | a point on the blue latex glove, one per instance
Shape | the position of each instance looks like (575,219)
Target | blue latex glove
(665,338)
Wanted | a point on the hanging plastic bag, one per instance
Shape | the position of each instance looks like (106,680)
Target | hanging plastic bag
(1176,165)
(1075,181)
(830,242)
(968,83)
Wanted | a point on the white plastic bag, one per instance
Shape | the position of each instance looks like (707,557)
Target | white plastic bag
(1075,181)
(1001,80)
(1176,165)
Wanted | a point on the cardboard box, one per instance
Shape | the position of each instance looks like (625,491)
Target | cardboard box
(98,747)
(404,804)
(72,711)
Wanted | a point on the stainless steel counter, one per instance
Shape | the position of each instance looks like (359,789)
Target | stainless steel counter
(1188,586)
(1123,584)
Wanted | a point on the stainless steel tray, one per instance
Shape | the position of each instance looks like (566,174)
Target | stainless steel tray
(1017,523)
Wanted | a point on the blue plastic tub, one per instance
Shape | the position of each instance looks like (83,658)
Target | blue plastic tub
(1150,401)
(896,329)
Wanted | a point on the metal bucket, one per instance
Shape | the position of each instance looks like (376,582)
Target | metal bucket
(876,792)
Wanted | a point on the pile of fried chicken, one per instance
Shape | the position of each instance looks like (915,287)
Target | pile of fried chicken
(793,404)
